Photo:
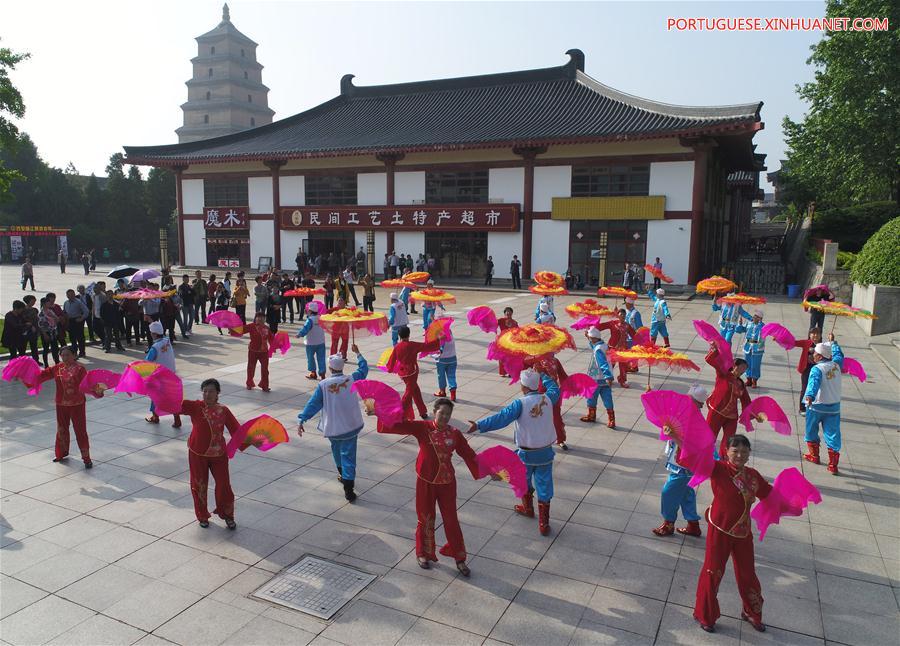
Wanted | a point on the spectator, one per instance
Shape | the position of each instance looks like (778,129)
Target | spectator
(317,265)
(32,330)
(168,315)
(131,312)
(14,330)
(637,281)
(239,299)
(431,265)
(201,296)
(515,266)
(368,285)
(627,277)
(308,281)
(360,262)
(227,283)
(27,273)
(395,264)
(489,271)
(350,279)
(109,312)
(106,254)
(273,304)
(92,256)
(76,313)
(421,263)
(300,259)
(287,301)
(49,323)
(212,290)
(61,258)
(570,279)
(387,265)
(221,299)
(333,263)
(85,298)
(329,291)
(97,300)
(86,263)
(261,295)
(186,294)
(657,282)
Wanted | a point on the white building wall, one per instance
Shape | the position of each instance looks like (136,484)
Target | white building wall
(409,242)
(550,182)
(192,199)
(670,240)
(501,247)
(551,245)
(408,187)
(291,241)
(259,192)
(194,242)
(507,184)
(262,241)
(371,189)
(675,180)
(292,190)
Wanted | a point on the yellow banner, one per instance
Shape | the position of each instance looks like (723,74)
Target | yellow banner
(651,207)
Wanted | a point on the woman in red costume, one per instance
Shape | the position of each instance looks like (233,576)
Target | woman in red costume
(619,333)
(69,405)
(206,452)
(405,363)
(506,323)
(723,403)
(735,487)
(806,362)
(436,482)
(258,351)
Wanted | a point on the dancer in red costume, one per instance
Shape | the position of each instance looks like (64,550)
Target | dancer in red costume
(258,351)
(70,404)
(723,403)
(340,332)
(619,333)
(735,486)
(436,482)
(506,323)
(404,362)
(206,452)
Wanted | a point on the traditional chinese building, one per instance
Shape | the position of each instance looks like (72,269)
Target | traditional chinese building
(547,164)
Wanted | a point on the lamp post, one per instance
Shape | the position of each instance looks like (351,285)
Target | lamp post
(163,248)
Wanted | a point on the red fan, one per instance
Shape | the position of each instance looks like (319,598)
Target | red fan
(502,462)
(161,385)
(578,385)
(26,370)
(853,368)
(483,317)
(439,326)
(280,341)
(304,292)
(385,401)
(780,334)
(768,409)
(655,271)
(641,336)
(791,493)
(96,381)
(679,415)
(711,334)
(511,364)
(224,318)
(263,432)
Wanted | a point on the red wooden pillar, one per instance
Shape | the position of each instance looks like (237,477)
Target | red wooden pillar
(701,158)
(528,154)
(275,167)
(390,162)
(179,204)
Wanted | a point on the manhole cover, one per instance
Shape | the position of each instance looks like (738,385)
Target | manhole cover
(315,586)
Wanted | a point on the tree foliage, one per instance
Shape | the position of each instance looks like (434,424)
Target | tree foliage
(847,148)
(879,261)
(11,105)
(852,226)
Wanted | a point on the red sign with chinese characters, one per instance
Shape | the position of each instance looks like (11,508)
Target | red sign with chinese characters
(226,217)
(442,217)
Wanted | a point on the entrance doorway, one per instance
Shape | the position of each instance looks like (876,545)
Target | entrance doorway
(231,251)
(457,254)
(599,249)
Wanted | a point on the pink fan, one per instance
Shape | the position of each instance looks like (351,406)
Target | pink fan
(224,318)
(386,404)
(585,322)
(441,325)
(483,318)
(161,385)
(512,365)
(96,381)
(502,462)
(26,370)
(791,494)
(768,409)
(853,368)
(578,385)
(641,336)
(263,432)
(319,304)
(780,334)
(679,414)
(708,333)
(280,341)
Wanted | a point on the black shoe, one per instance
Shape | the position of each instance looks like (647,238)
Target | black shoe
(62,459)
(204,524)
(230,524)
(349,494)
(88,465)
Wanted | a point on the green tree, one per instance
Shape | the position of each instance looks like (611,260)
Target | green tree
(847,148)
(11,105)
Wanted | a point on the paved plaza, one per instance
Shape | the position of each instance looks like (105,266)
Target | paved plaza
(115,556)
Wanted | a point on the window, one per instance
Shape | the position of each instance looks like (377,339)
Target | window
(225,192)
(245,75)
(330,189)
(212,51)
(249,98)
(208,95)
(210,72)
(252,122)
(602,181)
(456,187)
(205,118)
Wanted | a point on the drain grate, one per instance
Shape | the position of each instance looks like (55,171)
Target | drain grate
(315,586)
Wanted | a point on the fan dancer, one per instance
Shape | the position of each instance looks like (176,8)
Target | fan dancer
(429,308)
(551,365)
(633,318)
(600,370)
(404,297)
(547,299)
(340,332)
(754,349)
(258,351)
(807,361)
(404,362)
(314,339)
(728,391)
(506,323)
(659,316)
(534,437)
(730,319)
(70,405)
(619,333)
(823,403)
(735,486)
(341,419)
(206,452)
(397,317)
(677,493)
(446,367)
(162,352)
(544,315)
(436,482)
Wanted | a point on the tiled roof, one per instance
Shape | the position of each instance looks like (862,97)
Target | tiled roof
(551,105)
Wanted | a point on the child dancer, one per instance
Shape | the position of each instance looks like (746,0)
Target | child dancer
(258,351)
(506,323)
(659,316)
(404,362)
(315,342)
(600,370)
(754,348)
(397,317)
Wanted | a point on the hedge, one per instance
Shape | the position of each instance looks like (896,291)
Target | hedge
(851,226)
(879,261)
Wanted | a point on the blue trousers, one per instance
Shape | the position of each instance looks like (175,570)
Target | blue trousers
(831,428)
(314,354)
(604,392)
(728,332)
(427,316)
(395,335)
(658,327)
(446,371)
(754,365)
(539,476)
(676,493)
(343,450)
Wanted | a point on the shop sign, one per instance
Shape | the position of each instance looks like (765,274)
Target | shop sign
(442,217)
(32,231)
(226,217)
(229,262)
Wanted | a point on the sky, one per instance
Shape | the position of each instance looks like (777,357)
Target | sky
(107,74)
